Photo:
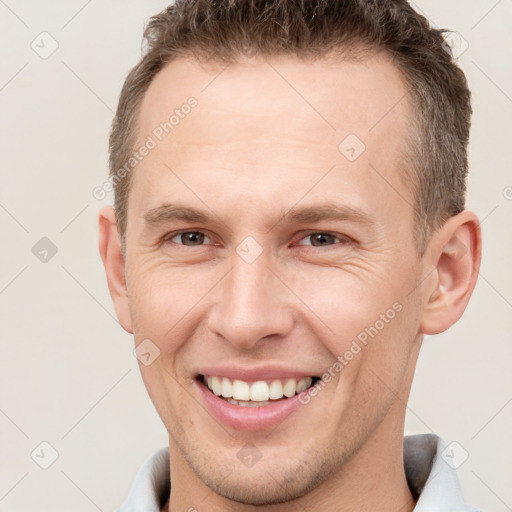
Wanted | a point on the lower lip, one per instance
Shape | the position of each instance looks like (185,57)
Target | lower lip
(248,418)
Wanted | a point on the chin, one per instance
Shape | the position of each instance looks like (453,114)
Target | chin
(261,489)
(267,482)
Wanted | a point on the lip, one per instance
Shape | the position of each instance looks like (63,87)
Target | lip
(248,418)
(253,374)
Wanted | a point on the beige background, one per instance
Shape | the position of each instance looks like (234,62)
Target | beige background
(68,375)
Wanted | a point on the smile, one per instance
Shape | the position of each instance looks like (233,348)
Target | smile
(256,394)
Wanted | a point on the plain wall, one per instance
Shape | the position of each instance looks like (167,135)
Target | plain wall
(67,372)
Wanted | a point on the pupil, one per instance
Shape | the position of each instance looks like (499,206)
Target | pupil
(321,237)
(193,238)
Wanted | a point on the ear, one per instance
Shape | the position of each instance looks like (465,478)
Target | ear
(455,253)
(114,263)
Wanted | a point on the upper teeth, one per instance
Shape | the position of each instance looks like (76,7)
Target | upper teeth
(258,391)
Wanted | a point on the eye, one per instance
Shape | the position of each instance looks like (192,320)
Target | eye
(320,239)
(198,238)
(187,238)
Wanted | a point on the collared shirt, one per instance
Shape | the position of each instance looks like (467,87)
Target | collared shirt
(431,478)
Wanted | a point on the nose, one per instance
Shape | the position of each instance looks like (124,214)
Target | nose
(253,304)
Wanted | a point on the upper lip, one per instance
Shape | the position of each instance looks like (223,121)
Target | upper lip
(253,374)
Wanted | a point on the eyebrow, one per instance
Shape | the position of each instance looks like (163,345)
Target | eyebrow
(328,211)
(300,215)
(168,212)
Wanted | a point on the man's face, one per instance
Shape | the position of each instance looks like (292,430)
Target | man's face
(256,292)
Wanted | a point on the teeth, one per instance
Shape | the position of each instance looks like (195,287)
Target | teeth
(227,388)
(289,388)
(276,390)
(302,385)
(248,403)
(216,385)
(241,390)
(260,391)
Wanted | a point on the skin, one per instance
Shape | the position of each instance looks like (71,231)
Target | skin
(251,150)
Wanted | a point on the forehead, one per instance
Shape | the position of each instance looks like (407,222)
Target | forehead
(258,123)
(333,93)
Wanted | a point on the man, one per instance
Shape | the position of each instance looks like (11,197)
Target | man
(289,223)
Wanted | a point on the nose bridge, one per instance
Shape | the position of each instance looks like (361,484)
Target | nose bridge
(251,303)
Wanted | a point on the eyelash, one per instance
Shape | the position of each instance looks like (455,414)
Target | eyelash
(341,238)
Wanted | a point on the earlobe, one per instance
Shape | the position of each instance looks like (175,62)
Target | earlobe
(114,263)
(455,252)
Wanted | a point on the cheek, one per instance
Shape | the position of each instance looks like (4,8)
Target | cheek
(342,303)
(369,323)
(161,295)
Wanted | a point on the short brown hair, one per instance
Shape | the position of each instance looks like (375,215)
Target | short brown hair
(435,155)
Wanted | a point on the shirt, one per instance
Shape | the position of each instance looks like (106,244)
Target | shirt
(431,479)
